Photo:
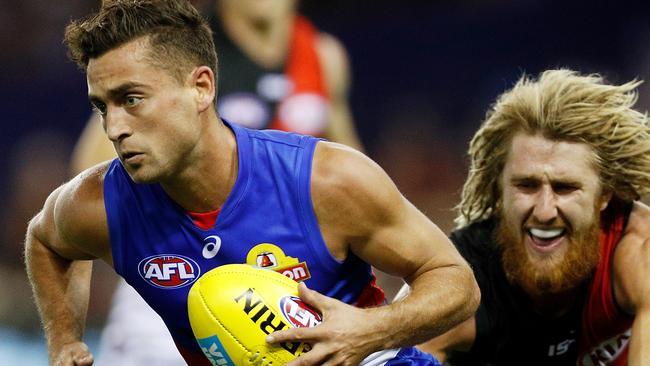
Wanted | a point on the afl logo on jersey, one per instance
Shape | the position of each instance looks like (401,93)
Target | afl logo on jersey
(169,271)
(297,313)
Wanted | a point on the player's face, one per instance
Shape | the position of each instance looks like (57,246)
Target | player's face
(261,10)
(550,209)
(149,115)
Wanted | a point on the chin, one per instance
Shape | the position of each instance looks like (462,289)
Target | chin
(143,180)
(553,271)
(141,176)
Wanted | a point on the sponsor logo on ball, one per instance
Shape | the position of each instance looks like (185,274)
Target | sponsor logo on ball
(214,351)
(260,313)
(298,313)
(169,271)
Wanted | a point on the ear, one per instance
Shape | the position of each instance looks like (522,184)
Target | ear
(605,197)
(204,83)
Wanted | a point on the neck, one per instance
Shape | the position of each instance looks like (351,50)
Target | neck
(209,171)
(266,41)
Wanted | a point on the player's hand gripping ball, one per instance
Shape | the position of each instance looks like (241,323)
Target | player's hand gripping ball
(233,308)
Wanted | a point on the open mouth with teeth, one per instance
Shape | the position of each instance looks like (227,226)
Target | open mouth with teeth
(545,240)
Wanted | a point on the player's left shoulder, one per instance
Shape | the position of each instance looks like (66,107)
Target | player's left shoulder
(632,260)
(636,237)
(346,181)
(639,221)
(337,167)
(340,167)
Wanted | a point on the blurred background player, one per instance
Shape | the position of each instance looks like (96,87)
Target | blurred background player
(275,71)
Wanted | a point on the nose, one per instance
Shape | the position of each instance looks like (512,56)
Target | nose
(545,210)
(116,124)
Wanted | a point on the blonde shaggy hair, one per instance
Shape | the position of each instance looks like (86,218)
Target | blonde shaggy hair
(561,105)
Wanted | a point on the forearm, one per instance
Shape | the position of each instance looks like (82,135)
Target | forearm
(438,300)
(640,339)
(61,291)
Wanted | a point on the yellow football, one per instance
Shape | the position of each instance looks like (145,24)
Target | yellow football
(233,308)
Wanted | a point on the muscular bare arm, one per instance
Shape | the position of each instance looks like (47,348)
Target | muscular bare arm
(340,124)
(360,211)
(632,281)
(459,338)
(59,267)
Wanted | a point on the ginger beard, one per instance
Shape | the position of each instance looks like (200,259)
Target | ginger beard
(556,273)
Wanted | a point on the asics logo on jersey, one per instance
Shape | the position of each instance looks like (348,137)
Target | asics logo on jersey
(169,271)
(211,247)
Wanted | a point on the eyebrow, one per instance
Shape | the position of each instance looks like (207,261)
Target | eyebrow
(117,91)
(569,181)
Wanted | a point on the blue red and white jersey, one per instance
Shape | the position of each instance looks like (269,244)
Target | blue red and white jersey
(267,220)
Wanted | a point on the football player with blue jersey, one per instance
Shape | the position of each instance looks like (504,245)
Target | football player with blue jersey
(190,192)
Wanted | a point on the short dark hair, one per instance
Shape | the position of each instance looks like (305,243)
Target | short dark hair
(180,38)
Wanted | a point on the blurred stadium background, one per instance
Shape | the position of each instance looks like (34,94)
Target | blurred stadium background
(424,73)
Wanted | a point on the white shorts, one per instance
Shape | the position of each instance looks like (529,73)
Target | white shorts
(134,334)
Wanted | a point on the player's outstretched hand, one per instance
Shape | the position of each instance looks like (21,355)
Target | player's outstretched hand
(73,354)
(345,337)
